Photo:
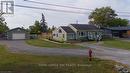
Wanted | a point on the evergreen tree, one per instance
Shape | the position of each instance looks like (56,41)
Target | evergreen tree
(44,27)
(53,27)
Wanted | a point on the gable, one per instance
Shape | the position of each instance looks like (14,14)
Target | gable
(17,30)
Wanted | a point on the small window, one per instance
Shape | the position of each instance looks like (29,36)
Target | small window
(63,36)
(82,33)
(60,31)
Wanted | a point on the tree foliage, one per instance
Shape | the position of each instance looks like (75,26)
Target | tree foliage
(39,27)
(105,17)
(36,28)
(53,27)
(118,22)
(3,24)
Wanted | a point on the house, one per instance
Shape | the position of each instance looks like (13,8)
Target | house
(77,32)
(17,34)
(121,32)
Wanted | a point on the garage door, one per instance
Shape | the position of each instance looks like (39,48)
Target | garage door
(18,36)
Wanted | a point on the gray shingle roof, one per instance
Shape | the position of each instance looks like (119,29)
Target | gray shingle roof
(119,28)
(67,29)
(16,29)
(84,27)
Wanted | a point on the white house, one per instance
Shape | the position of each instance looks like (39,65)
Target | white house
(77,32)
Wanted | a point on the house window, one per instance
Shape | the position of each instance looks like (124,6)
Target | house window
(63,36)
(82,33)
(60,31)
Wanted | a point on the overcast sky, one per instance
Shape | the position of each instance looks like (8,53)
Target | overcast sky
(24,17)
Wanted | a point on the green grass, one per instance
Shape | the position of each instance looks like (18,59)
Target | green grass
(21,63)
(48,44)
(117,44)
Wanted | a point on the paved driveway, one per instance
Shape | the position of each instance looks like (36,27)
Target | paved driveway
(20,46)
(118,55)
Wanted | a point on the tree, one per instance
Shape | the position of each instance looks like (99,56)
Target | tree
(3,24)
(101,16)
(36,28)
(53,27)
(118,22)
(43,24)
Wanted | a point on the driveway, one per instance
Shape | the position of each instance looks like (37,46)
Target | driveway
(115,54)
(20,46)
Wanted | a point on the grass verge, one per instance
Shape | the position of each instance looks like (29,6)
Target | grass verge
(117,44)
(48,44)
(18,63)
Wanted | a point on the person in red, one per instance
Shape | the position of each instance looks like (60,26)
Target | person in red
(90,54)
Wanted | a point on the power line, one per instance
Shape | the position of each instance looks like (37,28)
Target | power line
(124,12)
(58,5)
(57,10)
(66,6)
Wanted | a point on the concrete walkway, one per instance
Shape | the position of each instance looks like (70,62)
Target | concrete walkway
(115,54)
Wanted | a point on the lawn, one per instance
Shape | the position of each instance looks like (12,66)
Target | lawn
(117,44)
(48,44)
(21,63)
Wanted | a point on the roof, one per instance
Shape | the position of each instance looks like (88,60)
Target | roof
(84,27)
(119,28)
(16,29)
(67,29)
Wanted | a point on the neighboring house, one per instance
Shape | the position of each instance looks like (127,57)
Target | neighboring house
(122,32)
(77,32)
(17,34)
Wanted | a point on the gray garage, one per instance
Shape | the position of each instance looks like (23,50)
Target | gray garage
(17,34)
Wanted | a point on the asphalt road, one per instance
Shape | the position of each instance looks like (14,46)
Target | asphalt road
(115,54)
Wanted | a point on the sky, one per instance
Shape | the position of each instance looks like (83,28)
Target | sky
(24,17)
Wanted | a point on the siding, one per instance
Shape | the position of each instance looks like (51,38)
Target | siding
(59,36)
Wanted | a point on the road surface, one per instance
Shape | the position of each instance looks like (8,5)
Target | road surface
(119,55)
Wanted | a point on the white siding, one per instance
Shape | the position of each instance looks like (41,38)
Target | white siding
(59,36)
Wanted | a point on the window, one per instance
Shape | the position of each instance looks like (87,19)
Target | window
(60,31)
(63,36)
(82,33)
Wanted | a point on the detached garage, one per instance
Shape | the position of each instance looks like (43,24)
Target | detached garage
(17,34)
